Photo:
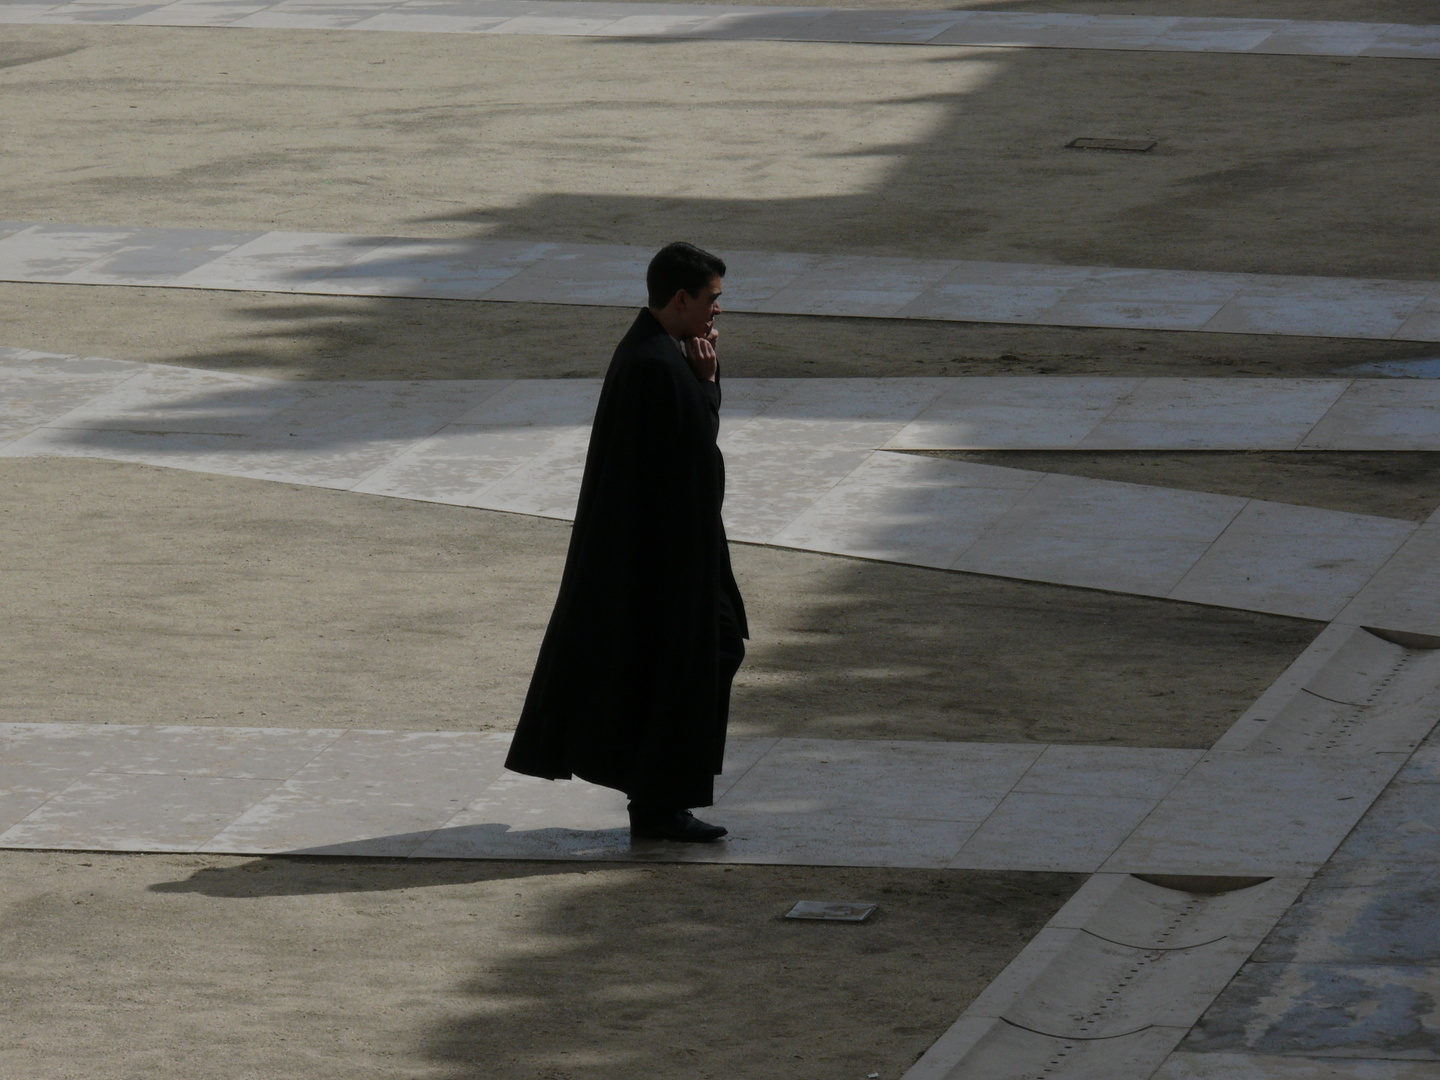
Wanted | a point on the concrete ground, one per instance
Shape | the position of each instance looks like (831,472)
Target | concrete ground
(140,595)
(143,966)
(143,595)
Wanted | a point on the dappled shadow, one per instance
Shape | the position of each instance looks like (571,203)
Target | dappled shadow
(643,972)
(857,649)
(317,875)
(979,169)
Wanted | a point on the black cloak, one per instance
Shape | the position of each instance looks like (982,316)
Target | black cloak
(626,692)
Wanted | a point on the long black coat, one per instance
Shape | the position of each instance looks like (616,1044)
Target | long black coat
(625,690)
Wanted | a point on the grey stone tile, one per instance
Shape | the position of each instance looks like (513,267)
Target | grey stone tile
(1007,1052)
(455,763)
(1405,594)
(74,747)
(527,803)
(898,508)
(1410,42)
(499,840)
(1340,1010)
(1069,833)
(1123,772)
(1292,560)
(1014,412)
(1016,29)
(130,812)
(1381,414)
(1216,414)
(341,815)
(824,839)
(239,753)
(1395,921)
(897,27)
(433,269)
(1400,832)
(955,782)
(1218,35)
(1102,535)
(1322,39)
(158,256)
(857,286)
(199,13)
(27,786)
(595,274)
(741,755)
(280,261)
(1320,307)
(1297,810)
(1222,1066)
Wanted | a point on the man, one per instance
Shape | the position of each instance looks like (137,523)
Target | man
(632,686)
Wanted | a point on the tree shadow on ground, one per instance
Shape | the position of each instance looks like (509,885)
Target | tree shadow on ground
(676,971)
(1248,170)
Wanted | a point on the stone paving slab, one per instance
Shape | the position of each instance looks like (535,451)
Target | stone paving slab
(1185,1066)
(990,29)
(610,275)
(1111,984)
(802,465)
(797,801)
(1347,983)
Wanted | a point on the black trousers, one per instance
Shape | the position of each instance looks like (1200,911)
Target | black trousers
(731,649)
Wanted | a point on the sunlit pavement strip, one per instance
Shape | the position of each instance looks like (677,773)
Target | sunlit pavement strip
(1277,795)
(737,23)
(804,471)
(1195,855)
(787,284)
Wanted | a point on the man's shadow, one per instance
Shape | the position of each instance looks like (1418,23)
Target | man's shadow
(465,853)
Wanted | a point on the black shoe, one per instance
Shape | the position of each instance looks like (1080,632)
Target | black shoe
(679,825)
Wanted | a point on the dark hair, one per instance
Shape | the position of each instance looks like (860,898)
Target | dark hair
(680,266)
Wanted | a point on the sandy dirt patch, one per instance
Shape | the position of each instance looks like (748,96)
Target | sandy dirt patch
(143,595)
(1265,164)
(120,967)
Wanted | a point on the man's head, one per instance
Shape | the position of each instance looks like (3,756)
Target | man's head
(684,285)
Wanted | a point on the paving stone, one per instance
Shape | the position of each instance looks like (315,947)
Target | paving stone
(1292,560)
(1297,811)
(1110,985)
(129,812)
(717,22)
(1381,414)
(931,781)
(1219,1066)
(1348,1010)
(612,275)
(1076,531)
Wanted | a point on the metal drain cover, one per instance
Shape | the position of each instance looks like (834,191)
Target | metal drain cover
(1136,146)
(832,910)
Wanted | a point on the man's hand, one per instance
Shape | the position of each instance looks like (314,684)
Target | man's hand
(701,355)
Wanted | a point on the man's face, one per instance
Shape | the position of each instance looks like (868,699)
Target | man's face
(698,312)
